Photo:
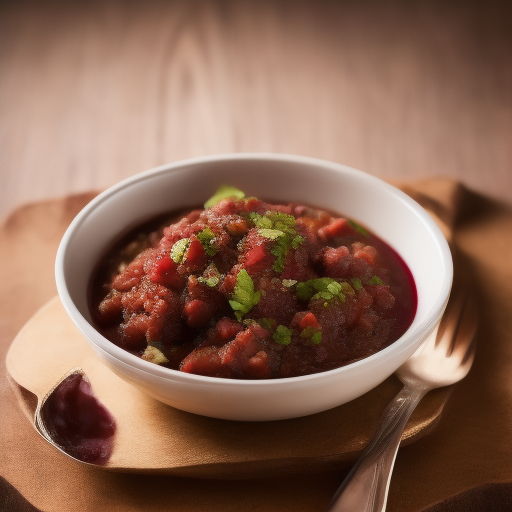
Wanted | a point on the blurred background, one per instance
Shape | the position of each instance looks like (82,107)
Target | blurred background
(93,92)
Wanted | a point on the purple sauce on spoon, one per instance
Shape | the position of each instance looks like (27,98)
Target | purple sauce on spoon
(77,422)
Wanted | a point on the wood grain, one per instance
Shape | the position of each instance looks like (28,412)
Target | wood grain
(93,92)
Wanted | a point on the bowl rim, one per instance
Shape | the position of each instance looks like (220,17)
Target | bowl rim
(87,329)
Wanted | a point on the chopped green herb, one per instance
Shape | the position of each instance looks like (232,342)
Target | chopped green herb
(211,276)
(316,339)
(358,227)
(271,234)
(280,228)
(260,221)
(334,288)
(207,237)
(297,241)
(307,332)
(267,323)
(356,283)
(307,289)
(280,250)
(209,281)
(282,335)
(282,221)
(322,288)
(375,281)
(314,336)
(224,192)
(178,250)
(153,355)
(347,289)
(244,297)
(288,283)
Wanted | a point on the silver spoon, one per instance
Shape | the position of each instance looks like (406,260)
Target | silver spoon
(439,362)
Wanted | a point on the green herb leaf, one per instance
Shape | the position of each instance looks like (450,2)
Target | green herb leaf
(307,289)
(297,241)
(280,228)
(280,250)
(307,332)
(244,297)
(375,281)
(316,339)
(323,288)
(356,283)
(260,221)
(224,192)
(334,287)
(314,336)
(267,323)
(209,281)
(207,237)
(358,227)
(211,276)
(304,291)
(282,335)
(271,234)
(288,283)
(347,289)
(282,221)
(178,250)
(153,355)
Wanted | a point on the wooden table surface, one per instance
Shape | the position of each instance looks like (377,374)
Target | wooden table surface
(96,91)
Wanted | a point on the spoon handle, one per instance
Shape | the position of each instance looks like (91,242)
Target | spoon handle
(365,489)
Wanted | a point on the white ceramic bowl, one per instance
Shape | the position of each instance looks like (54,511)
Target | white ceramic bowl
(388,212)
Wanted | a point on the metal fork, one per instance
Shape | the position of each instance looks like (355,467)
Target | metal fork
(441,361)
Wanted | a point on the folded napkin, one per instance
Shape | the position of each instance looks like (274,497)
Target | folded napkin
(461,464)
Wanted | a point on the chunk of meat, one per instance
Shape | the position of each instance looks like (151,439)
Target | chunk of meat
(165,272)
(198,313)
(130,276)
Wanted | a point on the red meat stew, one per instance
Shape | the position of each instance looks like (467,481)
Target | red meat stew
(251,290)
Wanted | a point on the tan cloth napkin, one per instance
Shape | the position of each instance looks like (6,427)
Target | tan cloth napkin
(471,446)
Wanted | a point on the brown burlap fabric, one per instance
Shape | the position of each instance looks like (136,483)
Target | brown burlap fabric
(463,464)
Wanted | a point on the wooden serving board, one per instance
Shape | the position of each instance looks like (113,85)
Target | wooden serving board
(153,437)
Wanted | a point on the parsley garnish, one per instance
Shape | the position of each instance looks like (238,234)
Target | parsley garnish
(375,281)
(282,335)
(154,355)
(316,339)
(209,281)
(267,323)
(314,336)
(280,250)
(271,234)
(244,297)
(324,288)
(280,228)
(178,250)
(224,192)
(211,276)
(297,240)
(207,237)
(260,221)
(356,284)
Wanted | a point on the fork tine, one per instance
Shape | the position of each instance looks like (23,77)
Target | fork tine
(468,329)
(458,339)
(458,327)
(450,322)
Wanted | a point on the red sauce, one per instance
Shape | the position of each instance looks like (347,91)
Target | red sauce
(248,289)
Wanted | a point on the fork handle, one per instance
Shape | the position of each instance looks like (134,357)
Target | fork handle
(365,489)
